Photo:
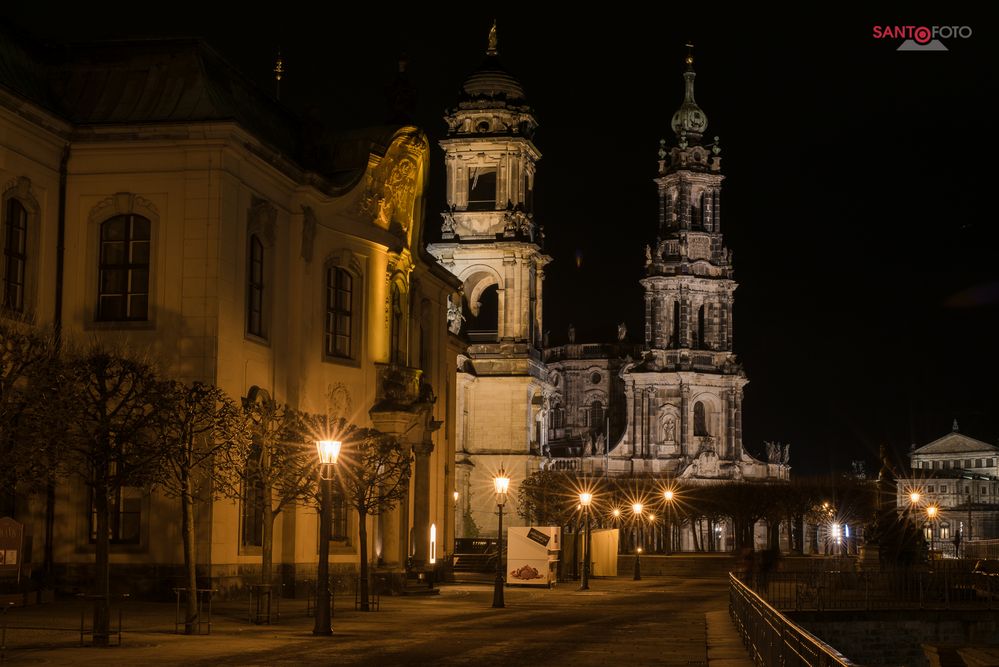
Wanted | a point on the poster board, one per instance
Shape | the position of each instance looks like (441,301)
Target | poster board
(603,561)
(532,554)
(11,548)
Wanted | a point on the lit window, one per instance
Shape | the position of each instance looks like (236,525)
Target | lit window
(123,289)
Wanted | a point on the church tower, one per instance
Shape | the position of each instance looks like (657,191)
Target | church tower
(491,242)
(684,398)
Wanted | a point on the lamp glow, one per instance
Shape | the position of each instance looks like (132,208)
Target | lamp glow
(668,495)
(931,511)
(329,451)
(914,497)
(585,499)
(637,508)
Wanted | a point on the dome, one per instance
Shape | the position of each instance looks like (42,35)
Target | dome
(491,81)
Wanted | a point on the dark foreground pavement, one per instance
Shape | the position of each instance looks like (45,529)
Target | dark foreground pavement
(656,621)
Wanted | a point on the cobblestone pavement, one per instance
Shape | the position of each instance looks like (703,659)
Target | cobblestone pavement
(656,621)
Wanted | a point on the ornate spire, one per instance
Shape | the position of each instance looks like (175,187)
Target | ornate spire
(493,41)
(689,122)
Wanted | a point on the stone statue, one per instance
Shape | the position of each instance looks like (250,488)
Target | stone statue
(600,446)
(588,445)
(454,316)
(622,331)
(668,423)
(448,226)
(572,334)
(648,254)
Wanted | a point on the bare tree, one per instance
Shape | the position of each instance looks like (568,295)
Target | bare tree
(548,498)
(202,424)
(373,477)
(274,467)
(108,406)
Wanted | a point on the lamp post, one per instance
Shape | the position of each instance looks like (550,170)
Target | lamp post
(636,510)
(931,514)
(329,452)
(502,484)
(668,496)
(584,500)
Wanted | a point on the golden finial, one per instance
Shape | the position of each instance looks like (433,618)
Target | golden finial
(278,73)
(690,55)
(493,40)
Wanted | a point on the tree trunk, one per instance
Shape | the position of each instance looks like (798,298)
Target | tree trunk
(362,537)
(102,589)
(694,526)
(267,537)
(49,557)
(190,552)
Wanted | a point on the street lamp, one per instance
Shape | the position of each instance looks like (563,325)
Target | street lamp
(668,497)
(502,484)
(329,452)
(931,514)
(584,500)
(636,511)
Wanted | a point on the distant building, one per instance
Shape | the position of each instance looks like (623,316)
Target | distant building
(959,476)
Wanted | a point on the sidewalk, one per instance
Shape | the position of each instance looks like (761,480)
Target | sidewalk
(659,620)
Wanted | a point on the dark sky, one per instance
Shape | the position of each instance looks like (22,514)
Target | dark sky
(855,197)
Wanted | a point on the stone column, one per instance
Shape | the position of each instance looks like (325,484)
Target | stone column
(511,323)
(738,423)
(729,398)
(684,320)
(684,419)
(649,319)
(421,501)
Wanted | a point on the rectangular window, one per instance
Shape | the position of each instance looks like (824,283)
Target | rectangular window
(930,489)
(123,283)
(945,531)
(967,463)
(15,254)
(482,188)
(978,463)
(252,515)
(943,488)
(339,520)
(255,288)
(125,520)
(339,312)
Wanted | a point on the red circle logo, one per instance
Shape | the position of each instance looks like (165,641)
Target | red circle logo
(922,35)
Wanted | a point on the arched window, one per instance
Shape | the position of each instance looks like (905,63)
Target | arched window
(15,254)
(395,322)
(339,312)
(123,286)
(700,419)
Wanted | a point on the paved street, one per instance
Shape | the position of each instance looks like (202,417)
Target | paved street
(656,621)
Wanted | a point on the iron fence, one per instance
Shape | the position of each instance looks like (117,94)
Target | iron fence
(771,638)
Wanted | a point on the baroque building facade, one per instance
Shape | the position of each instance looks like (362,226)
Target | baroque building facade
(670,406)
(163,202)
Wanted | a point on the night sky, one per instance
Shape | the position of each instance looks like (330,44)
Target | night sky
(855,200)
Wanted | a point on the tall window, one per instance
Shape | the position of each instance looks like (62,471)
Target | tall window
(700,419)
(252,516)
(597,416)
(700,328)
(338,531)
(675,336)
(125,509)
(395,321)
(15,254)
(124,269)
(255,288)
(339,309)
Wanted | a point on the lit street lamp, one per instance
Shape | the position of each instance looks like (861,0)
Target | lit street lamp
(636,510)
(668,496)
(502,484)
(585,499)
(329,452)
(931,514)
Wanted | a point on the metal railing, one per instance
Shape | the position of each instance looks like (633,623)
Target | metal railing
(986,549)
(771,638)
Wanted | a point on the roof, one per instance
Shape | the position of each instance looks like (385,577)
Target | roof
(492,81)
(144,81)
(955,443)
